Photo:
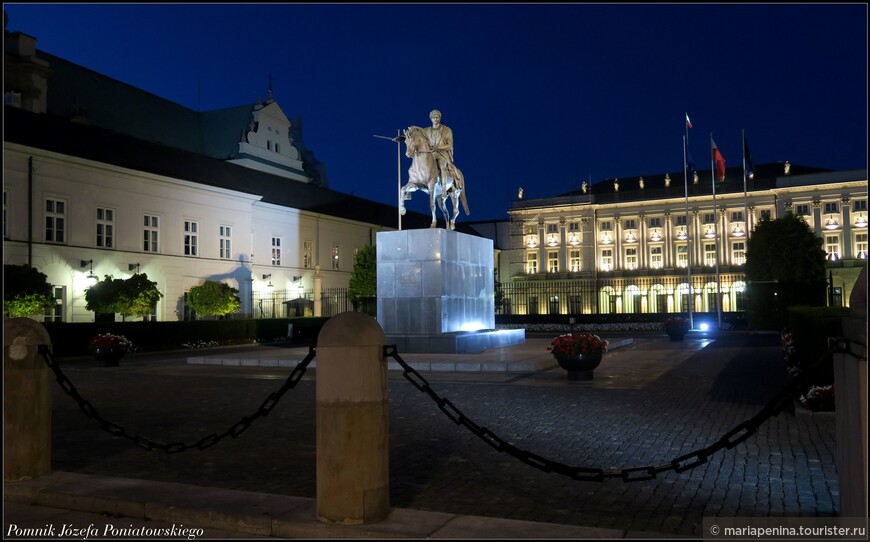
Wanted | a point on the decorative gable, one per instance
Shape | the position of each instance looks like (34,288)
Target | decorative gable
(267,145)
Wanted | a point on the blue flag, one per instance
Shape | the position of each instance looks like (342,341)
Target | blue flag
(747,160)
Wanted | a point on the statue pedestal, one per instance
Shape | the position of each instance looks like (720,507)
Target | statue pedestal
(435,292)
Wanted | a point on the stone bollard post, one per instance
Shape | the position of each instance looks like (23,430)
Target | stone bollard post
(850,383)
(353,453)
(26,401)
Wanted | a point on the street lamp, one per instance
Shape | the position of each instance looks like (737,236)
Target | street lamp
(85,263)
(398,139)
(268,276)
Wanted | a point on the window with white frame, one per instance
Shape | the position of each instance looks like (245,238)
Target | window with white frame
(55,221)
(607,259)
(336,257)
(532,263)
(738,253)
(861,246)
(307,251)
(225,242)
(552,228)
(656,260)
(832,247)
(606,225)
(574,260)
(736,216)
(55,313)
(151,231)
(802,209)
(191,238)
(629,224)
(832,207)
(655,222)
(710,254)
(573,226)
(105,227)
(631,258)
(553,261)
(276,250)
(709,218)
(859,205)
(680,220)
(682,256)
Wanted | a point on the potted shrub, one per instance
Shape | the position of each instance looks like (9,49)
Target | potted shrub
(676,328)
(109,348)
(578,353)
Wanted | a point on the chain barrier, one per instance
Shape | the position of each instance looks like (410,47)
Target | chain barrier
(679,464)
(176,447)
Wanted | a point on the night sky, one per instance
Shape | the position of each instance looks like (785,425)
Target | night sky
(538,96)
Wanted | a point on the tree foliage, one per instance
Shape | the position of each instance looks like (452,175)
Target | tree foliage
(363,284)
(785,266)
(135,296)
(26,291)
(214,299)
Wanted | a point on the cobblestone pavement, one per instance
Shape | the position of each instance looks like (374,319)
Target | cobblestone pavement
(650,402)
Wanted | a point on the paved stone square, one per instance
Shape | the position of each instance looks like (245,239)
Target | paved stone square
(649,403)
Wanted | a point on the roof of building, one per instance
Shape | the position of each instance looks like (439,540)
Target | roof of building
(61,135)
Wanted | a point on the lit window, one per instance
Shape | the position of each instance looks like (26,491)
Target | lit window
(574,260)
(532,263)
(307,254)
(738,251)
(276,251)
(553,262)
(832,247)
(150,233)
(655,258)
(335,257)
(191,238)
(226,242)
(105,228)
(861,246)
(710,254)
(682,256)
(631,258)
(55,221)
(607,260)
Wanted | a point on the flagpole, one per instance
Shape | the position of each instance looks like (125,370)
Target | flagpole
(716,237)
(688,240)
(745,195)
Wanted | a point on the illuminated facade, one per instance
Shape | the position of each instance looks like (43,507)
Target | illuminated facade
(602,250)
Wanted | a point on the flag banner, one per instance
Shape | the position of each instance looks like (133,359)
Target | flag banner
(688,122)
(719,160)
(747,159)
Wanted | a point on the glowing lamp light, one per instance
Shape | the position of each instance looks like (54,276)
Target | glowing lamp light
(574,241)
(655,236)
(630,238)
(861,222)
(532,242)
(831,224)
(606,239)
(737,232)
(709,234)
(268,276)
(551,240)
(682,235)
(704,326)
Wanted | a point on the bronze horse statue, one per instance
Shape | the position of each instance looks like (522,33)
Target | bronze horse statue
(424,175)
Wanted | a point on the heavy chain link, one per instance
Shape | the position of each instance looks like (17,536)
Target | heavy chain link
(679,464)
(176,447)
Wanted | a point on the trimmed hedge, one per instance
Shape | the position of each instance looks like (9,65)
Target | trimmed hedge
(71,339)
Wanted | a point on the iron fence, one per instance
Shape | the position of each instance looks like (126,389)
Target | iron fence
(293,303)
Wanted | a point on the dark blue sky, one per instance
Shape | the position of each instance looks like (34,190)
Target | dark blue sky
(541,96)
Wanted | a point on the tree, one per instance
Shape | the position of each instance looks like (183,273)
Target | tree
(214,299)
(136,296)
(26,291)
(785,266)
(362,290)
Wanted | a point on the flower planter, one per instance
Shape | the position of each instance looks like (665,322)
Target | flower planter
(108,357)
(579,367)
